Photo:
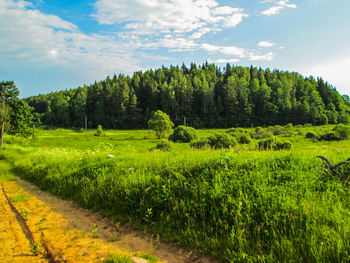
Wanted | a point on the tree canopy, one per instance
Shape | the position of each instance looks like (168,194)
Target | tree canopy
(15,114)
(161,124)
(202,96)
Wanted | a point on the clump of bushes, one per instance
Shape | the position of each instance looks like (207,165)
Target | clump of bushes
(217,141)
(286,130)
(332,136)
(274,144)
(243,137)
(339,132)
(342,131)
(201,144)
(261,133)
(311,135)
(183,134)
(163,146)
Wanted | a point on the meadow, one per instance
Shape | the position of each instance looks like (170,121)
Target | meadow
(237,205)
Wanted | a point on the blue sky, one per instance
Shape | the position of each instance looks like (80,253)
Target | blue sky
(48,45)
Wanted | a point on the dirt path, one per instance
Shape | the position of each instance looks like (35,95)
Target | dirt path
(72,233)
(14,245)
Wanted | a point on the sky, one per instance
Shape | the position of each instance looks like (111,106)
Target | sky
(51,45)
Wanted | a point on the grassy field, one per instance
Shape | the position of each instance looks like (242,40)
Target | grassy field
(237,205)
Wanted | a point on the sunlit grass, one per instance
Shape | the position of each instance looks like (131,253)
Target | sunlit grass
(238,205)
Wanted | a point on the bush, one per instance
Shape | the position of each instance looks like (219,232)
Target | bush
(288,126)
(161,124)
(286,130)
(242,137)
(219,141)
(277,130)
(332,136)
(183,134)
(311,135)
(201,144)
(163,146)
(343,131)
(274,144)
(99,130)
(261,133)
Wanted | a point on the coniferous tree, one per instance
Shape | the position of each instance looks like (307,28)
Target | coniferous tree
(206,96)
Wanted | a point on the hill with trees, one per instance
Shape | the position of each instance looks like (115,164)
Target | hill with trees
(199,96)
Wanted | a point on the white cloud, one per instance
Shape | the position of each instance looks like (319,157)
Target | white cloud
(223,61)
(266,44)
(34,37)
(279,5)
(154,18)
(226,50)
(334,71)
(146,16)
(265,57)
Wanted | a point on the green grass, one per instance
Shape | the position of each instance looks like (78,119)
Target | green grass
(19,198)
(5,173)
(117,259)
(237,205)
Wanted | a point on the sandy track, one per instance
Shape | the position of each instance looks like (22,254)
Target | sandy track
(72,233)
(14,245)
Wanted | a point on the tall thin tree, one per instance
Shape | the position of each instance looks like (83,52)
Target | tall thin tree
(8,91)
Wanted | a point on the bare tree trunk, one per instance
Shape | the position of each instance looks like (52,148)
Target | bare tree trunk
(3,122)
(2,132)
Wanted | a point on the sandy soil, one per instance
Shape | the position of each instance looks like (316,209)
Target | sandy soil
(72,233)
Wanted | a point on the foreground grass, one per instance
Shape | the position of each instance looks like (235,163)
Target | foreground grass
(237,205)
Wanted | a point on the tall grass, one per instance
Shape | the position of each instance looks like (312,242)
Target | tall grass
(237,205)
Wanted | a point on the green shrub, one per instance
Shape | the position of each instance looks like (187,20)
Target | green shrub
(261,134)
(243,137)
(183,134)
(311,135)
(162,146)
(277,130)
(332,136)
(219,141)
(201,144)
(274,144)
(99,130)
(342,130)
(161,124)
(288,126)
(286,130)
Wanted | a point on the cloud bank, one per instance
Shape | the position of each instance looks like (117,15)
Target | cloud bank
(277,7)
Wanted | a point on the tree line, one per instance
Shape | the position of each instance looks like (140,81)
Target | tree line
(201,96)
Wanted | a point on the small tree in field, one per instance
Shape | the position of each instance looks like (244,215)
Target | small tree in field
(15,113)
(160,124)
(99,130)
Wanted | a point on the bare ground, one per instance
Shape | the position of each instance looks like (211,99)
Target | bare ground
(74,233)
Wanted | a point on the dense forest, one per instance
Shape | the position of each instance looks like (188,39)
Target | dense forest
(199,96)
